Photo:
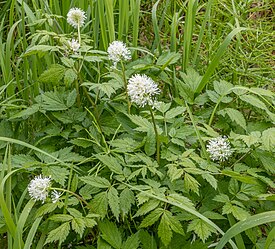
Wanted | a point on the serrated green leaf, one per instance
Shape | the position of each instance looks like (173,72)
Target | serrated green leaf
(78,225)
(125,144)
(53,75)
(173,222)
(179,110)
(52,101)
(46,208)
(254,101)
(110,233)
(268,160)
(268,139)
(147,207)
(201,228)
(151,218)
(75,213)
(69,77)
(190,183)
(233,186)
(96,181)
(210,179)
(222,87)
(132,242)
(58,174)
(61,217)
(126,199)
(26,113)
(222,198)
(168,58)
(235,116)
(59,234)
(238,212)
(251,139)
(143,124)
(148,241)
(164,231)
(89,222)
(71,98)
(100,204)
(111,162)
(114,201)
(174,173)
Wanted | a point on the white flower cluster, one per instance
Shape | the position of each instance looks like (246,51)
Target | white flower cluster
(118,51)
(39,189)
(74,45)
(219,149)
(76,17)
(142,90)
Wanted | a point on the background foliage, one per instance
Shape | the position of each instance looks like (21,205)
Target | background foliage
(65,115)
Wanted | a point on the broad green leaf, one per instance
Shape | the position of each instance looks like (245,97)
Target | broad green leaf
(125,144)
(268,139)
(58,174)
(96,181)
(268,160)
(148,241)
(222,87)
(45,209)
(201,228)
(164,231)
(143,124)
(69,77)
(114,201)
(61,217)
(252,100)
(100,204)
(210,179)
(168,58)
(173,222)
(235,116)
(240,177)
(190,183)
(251,139)
(110,233)
(89,222)
(151,218)
(126,200)
(132,242)
(174,173)
(111,162)
(78,225)
(75,213)
(179,110)
(26,113)
(53,75)
(71,98)
(222,198)
(52,101)
(233,186)
(238,212)
(147,207)
(59,234)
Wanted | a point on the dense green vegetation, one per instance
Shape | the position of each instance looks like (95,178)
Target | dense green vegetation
(166,140)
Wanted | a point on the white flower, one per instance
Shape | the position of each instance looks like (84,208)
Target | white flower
(142,89)
(74,45)
(38,188)
(118,51)
(219,149)
(55,195)
(76,17)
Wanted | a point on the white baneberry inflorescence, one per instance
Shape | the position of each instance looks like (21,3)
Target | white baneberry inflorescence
(76,17)
(142,90)
(117,51)
(74,45)
(219,149)
(55,195)
(39,188)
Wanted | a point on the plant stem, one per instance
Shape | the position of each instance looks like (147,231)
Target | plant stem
(197,131)
(156,132)
(125,86)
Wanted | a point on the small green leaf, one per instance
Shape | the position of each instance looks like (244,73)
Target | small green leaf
(96,181)
(190,183)
(235,116)
(100,204)
(59,234)
(132,242)
(238,212)
(147,207)
(111,162)
(268,139)
(150,144)
(110,233)
(151,218)
(71,98)
(164,231)
(148,241)
(113,201)
(201,228)
(61,217)
(78,225)
(252,100)
(126,200)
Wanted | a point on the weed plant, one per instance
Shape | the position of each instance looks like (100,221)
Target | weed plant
(133,124)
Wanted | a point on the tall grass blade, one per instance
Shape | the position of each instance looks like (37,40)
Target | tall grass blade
(270,238)
(32,232)
(156,28)
(214,63)
(188,32)
(135,12)
(241,226)
(109,6)
(102,22)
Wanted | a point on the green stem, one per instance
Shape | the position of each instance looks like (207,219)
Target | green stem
(156,132)
(125,86)
(197,131)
